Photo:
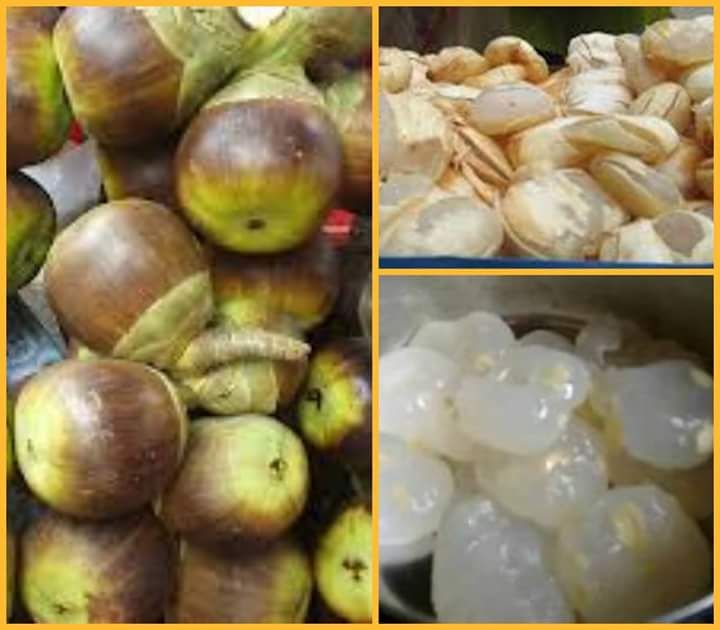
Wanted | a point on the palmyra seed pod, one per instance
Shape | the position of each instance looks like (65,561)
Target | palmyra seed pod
(444,224)
(547,143)
(592,50)
(395,70)
(681,165)
(676,44)
(701,206)
(704,177)
(560,215)
(513,50)
(689,235)
(669,101)
(456,64)
(640,189)
(601,91)
(704,123)
(636,242)
(640,73)
(698,81)
(556,84)
(507,109)
(647,137)
(482,155)
(500,75)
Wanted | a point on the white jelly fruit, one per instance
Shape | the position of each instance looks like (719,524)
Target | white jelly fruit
(664,412)
(416,401)
(547,339)
(633,556)
(492,567)
(415,490)
(552,486)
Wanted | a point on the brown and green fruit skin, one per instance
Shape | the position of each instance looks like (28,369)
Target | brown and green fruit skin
(125,93)
(142,172)
(10,463)
(30,229)
(335,407)
(269,584)
(118,571)
(98,438)
(243,478)
(343,565)
(44,16)
(273,194)
(110,266)
(38,115)
(293,291)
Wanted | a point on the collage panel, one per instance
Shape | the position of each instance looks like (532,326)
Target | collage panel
(545,449)
(188,366)
(546,137)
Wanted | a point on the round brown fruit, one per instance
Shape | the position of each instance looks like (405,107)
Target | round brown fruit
(117,571)
(243,478)
(269,584)
(98,438)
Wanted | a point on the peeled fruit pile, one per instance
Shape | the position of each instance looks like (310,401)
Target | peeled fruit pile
(609,158)
(203,452)
(552,477)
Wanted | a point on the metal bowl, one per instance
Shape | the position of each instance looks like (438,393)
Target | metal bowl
(679,308)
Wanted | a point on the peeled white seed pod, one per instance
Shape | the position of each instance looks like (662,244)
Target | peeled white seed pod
(600,336)
(704,123)
(688,235)
(410,308)
(506,109)
(636,242)
(449,226)
(676,44)
(491,567)
(559,215)
(704,177)
(395,70)
(641,190)
(415,490)
(547,339)
(423,135)
(501,75)
(397,191)
(547,143)
(640,73)
(513,50)
(388,140)
(601,91)
(681,165)
(692,488)
(524,403)
(703,207)
(554,86)
(698,81)
(548,487)
(663,412)
(668,101)
(592,50)
(474,342)
(416,401)
(632,556)
(455,64)
(649,138)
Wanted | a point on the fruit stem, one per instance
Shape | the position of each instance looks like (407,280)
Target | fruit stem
(314,395)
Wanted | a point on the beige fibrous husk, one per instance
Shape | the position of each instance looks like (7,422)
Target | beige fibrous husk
(609,157)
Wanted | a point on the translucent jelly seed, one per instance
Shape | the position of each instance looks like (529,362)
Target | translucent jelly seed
(598,338)
(415,490)
(524,403)
(409,309)
(547,339)
(416,401)
(549,487)
(491,567)
(633,556)
(663,412)
(472,341)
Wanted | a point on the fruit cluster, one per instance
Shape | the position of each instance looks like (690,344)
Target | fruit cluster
(203,453)
(608,158)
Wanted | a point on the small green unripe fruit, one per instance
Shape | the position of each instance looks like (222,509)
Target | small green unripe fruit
(343,565)
(98,438)
(268,584)
(38,116)
(273,194)
(243,478)
(116,571)
(30,229)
